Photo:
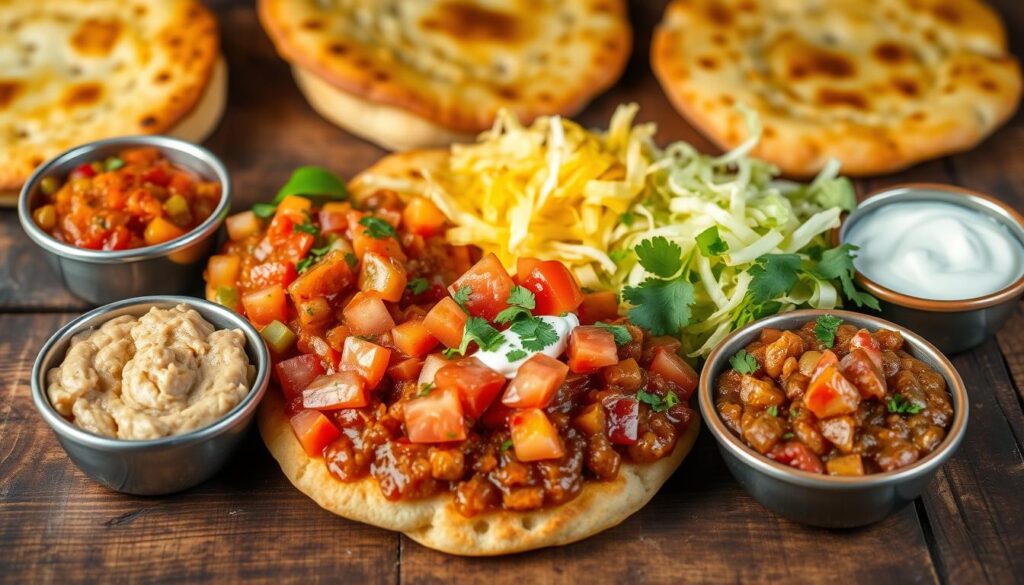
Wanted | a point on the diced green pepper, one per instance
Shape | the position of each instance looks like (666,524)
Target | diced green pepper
(114,163)
(227,296)
(49,185)
(278,337)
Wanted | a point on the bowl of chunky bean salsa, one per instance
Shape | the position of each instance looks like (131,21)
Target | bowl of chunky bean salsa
(832,418)
(127,216)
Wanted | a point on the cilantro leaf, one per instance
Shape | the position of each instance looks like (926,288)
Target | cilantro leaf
(659,256)
(506,444)
(662,306)
(515,355)
(306,226)
(479,330)
(825,329)
(710,243)
(658,403)
(627,218)
(425,389)
(838,263)
(264,210)
(619,332)
(450,352)
(377,228)
(461,296)
(899,404)
(743,362)
(535,334)
(774,275)
(520,302)
(418,285)
(773,410)
(313,181)
(304,264)
(510,314)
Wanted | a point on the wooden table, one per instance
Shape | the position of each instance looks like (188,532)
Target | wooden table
(248,523)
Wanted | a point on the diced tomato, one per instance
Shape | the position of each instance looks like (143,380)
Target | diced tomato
(476,384)
(412,338)
(536,382)
(828,358)
(431,365)
(268,273)
(328,277)
(368,359)
(858,368)
(830,394)
(83,171)
(798,455)
(384,246)
(674,369)
(435,418)
(446,322)
(344,389)
(864,340)
(496,417)
(314,313)
(422,217)
(337,335)
(366,314)
(623,419)
(222,270)
(489,286)
(157,175)
(159,230)
(318,346)
(266,305)
(314,431)
(288,242)
(555,288)
(295,207)
(382,275)
(534,437)
(242,225)
(334,217)
(405,370)
(590,349)
(599,306)
(296,373)
(524,266)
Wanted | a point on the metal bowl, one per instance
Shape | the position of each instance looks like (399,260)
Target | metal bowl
(99,276)
(953,326)
(157,466)
(823,500)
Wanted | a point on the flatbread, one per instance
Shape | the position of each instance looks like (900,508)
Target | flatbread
(454,63)
(73,71)
(878,85)
(435,522)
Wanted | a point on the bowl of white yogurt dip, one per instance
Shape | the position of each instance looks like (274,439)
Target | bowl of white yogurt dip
(944,261)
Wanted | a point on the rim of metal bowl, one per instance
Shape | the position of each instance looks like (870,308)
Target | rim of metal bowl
(752,458)
(68,430)
(167,143)
(954,195)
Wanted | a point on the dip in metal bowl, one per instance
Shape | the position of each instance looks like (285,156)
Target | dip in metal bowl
(99,276)
(825,500)
(952,325)
(156,466)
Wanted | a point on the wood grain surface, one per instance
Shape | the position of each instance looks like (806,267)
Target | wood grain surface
(249,524)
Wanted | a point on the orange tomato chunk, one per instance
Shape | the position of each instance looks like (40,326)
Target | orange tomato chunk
(830,394)
(590,349)
(476,385)
(446,322)
(534,438)
(266,305)
(368,359)
(314,431)
(675,370)
(412,338)
(536,382)
(422,217)
(366,314)
(345,389)
(382,275)
(435,418)
(554,287)
(489,286)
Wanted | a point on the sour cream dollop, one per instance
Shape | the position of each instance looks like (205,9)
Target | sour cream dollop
(936,250)
(497,359)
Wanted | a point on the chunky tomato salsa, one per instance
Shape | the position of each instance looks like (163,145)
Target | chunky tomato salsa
(134,199)
(432,370)
(831,398)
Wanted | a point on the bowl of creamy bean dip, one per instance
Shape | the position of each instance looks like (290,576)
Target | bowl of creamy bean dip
(151,395)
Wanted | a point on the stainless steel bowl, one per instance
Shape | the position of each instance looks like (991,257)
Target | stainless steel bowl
(823,500)
(100,276)
(157,466)
(952,326)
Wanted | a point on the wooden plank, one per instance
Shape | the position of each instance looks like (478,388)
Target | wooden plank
(247,523)
(26,280)
(701,527)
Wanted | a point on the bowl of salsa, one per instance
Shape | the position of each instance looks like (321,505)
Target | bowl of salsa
(127,216)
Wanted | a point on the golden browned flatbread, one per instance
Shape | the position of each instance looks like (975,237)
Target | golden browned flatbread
(450,63)
(877,85)
(435,522)
(72,71)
